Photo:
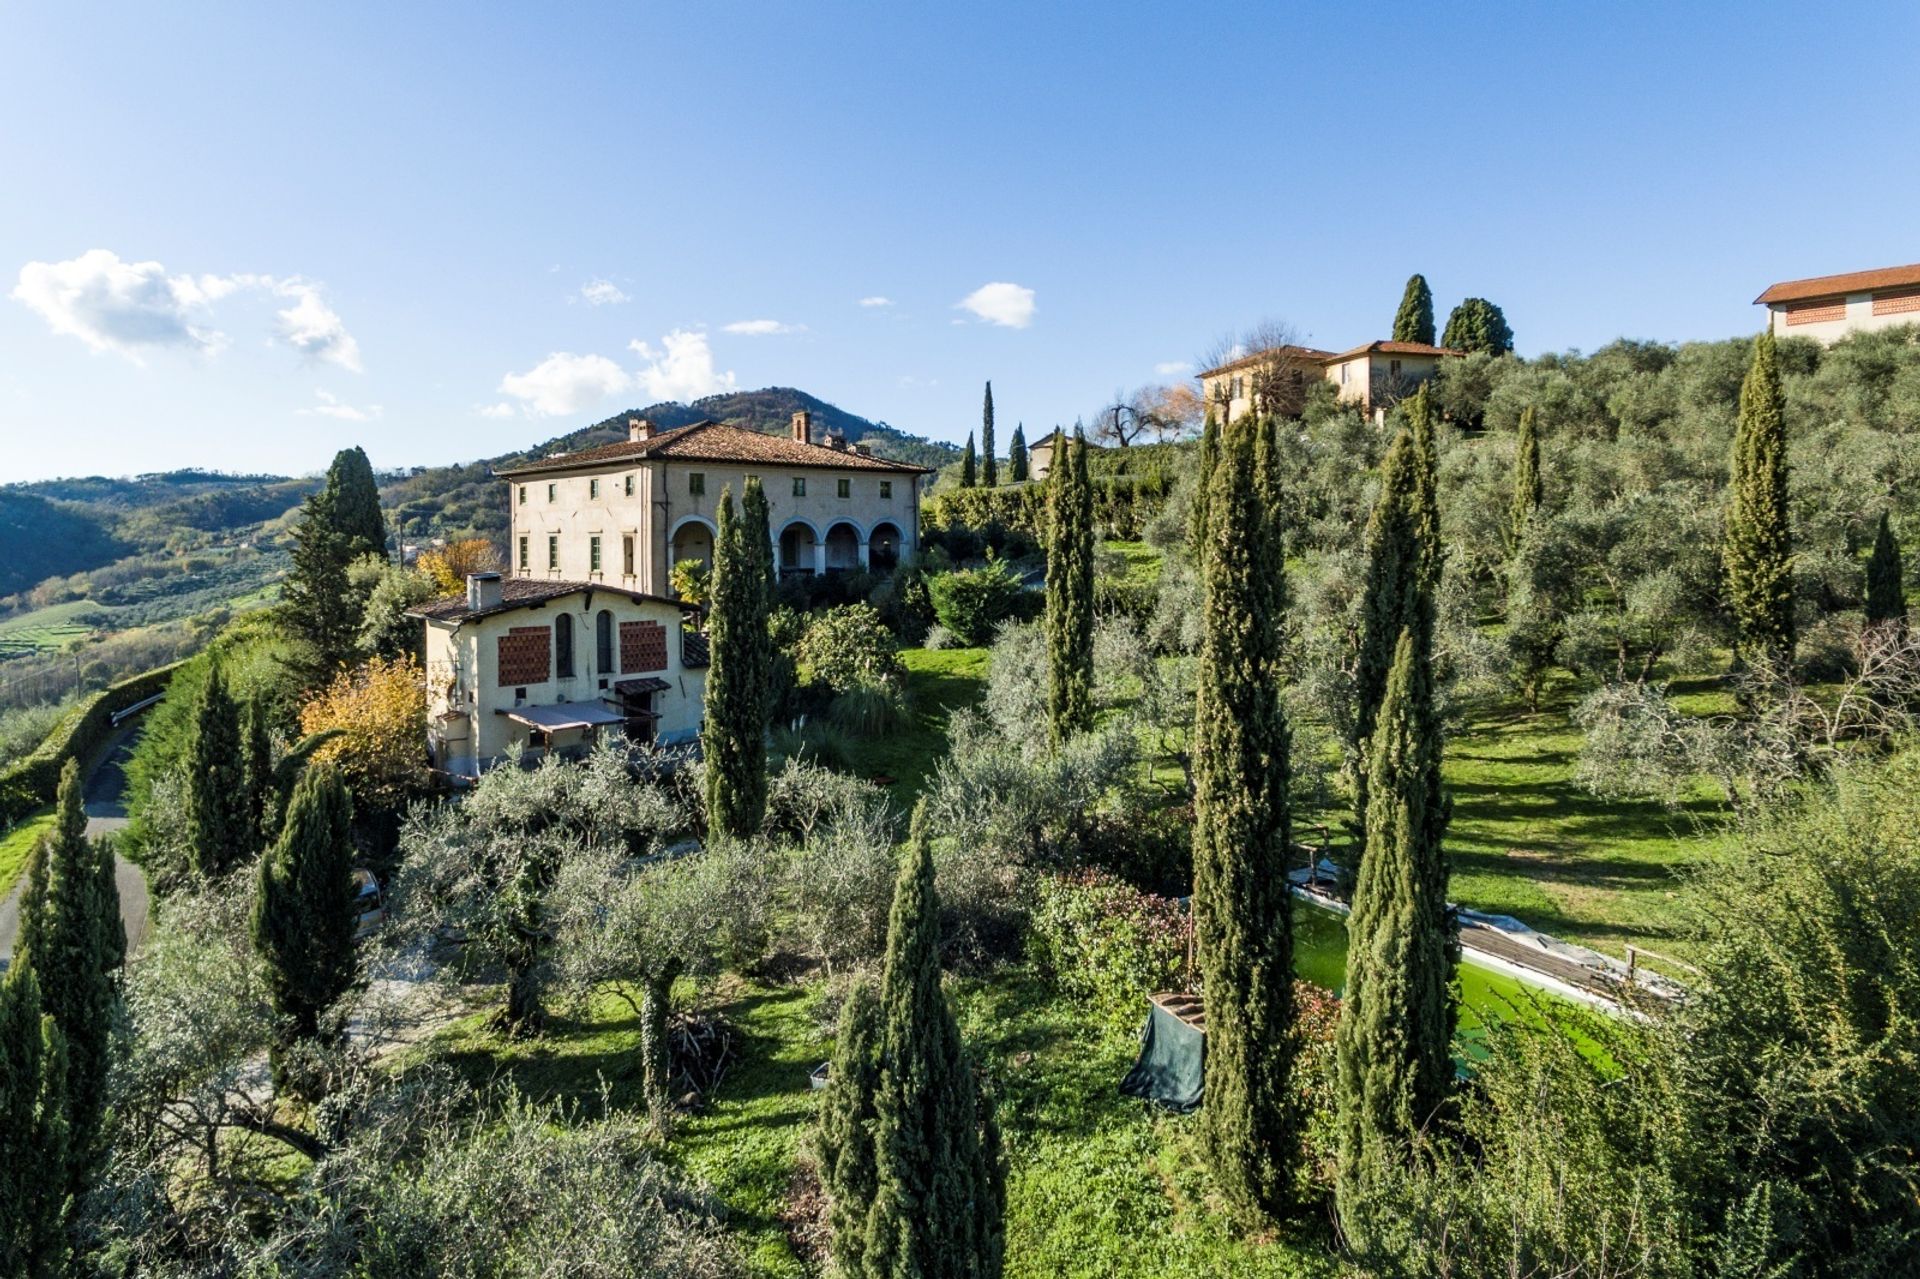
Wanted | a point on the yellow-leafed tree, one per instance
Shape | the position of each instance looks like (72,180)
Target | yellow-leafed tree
(380,709)
(450,565)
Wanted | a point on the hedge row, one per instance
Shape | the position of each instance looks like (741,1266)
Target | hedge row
(31,783)
(1122,505)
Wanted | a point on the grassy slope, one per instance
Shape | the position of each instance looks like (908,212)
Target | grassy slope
(17,844)
(938,683)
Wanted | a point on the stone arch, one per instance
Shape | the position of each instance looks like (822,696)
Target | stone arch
(844,539)
(690,539)
(799,543)
(884,544)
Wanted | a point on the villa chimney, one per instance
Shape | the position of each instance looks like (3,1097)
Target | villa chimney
(803,427)
(484,591)
(837,440)
(638,429)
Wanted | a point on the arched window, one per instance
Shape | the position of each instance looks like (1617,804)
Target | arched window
(603,643)
(563,646)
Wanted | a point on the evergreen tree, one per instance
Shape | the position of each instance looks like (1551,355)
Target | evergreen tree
(756,548)
(844,1142)
(1758,547)
(1070,592)
(1242,833)
(258,764)
(1886,590)
(34,1155)
(969,465)
(352,500)
(939,1195)
(1397,1014)
(303,907)
(1478,325)
(1017,454)
(1413,322)
(1208,458)
(323,610)
(220,828)
(1528,488)
(989,469)
(734,738)
(74,942)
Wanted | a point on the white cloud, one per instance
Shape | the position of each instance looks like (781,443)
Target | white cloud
(681,369)
(761,328)
(1173,368)
(566,383)
(119,306)
(876,300)
(599,292)
(502,409)
(330,406)
(1008,305)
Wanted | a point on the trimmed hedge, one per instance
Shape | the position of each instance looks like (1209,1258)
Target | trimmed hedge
(32,782)
(1122,505)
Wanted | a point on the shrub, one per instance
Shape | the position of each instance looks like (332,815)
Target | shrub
(813,741)
(843,884)
(1105,942)
(971,602)
(866,711)
(847,648)
(939,637)
(381,708)
(692,581)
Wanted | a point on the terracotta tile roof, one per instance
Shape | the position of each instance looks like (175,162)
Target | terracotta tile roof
(1829,286)
(1387,346)
(715,442)
(1305,354)
(522,592)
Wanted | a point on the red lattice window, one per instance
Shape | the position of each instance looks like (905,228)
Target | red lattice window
(526,656)
(643,647)
(1896,302)
(1816,312)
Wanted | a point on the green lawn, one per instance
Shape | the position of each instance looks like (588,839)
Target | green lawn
(53,627)
(17,844)
(939,682)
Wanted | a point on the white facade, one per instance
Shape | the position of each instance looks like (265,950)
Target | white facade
(1827,308)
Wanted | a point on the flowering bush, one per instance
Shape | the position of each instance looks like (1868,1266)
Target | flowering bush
(1108,943)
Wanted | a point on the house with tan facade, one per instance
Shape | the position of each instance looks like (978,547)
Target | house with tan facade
(1374,376)
(1828,307)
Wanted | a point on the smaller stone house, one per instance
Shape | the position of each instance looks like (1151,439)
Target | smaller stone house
(1828,307)
(1374,376)
(552,665)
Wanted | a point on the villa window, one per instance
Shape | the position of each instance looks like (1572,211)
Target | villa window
(799,486)
(845,488)
(553,492)
(525,562)
(1393,368)
(553,553)
(593,490)
(603,642)
(697,483)
(886,489)
(563,646)
(593,553)
(523,495)
(626,554)
(629,487)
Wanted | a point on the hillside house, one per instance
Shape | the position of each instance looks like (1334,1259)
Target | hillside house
(1828,307)
(1374,376)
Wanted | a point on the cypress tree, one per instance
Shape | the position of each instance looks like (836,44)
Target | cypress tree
(1886,591)
(969,465)
(734,738)
(323,610)
(844,1142)
(1242,835)
(1478,325)
(352,501)
(1528,488)
(1758,547)
(258,762)
(1398,1011)
(303,907)
(73,940)
(1207,459)
(1413,322)
(756,549)
(1070,592)
(34,1154)
(989,469)
(1017,454)
(220,828)
(939,1197)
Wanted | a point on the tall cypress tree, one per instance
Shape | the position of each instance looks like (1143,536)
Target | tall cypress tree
(1528,488)
(734,738)
(1017,454)
(258,763)
(1242,834)
(844,1141)
(353,504)
(73,941)
(1413,322)
(1205,460)
(220,828)
(1070,592)
(323,611)
(34,1147)
(303,907)
(1758,547)
(756,549)
(989,469)
(1398,1011)
(1886,590)
(939,1194)
(969,465)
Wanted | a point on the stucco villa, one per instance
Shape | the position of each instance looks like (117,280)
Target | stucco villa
(1828,307)
(1375,376)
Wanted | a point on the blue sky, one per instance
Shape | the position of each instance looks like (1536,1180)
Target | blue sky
(242,236)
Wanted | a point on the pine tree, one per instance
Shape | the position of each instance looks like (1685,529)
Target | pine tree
(34,1147)
(1242,834)
(1886,590)
(1758,547)
(74,942)
(734,738)
(1478,325)
(969,465)
(258,762)
(844,1143)
(1413,322)
(939,1203)
(1397,1014)
(353,504)
(1070,592)
(989,469)
(323,610)
(220,829)
(303,908)
(1528,488)
(1017,454)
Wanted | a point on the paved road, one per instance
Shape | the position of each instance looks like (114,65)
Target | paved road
(104,796)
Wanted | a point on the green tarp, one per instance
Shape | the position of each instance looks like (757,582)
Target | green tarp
(1172,1065)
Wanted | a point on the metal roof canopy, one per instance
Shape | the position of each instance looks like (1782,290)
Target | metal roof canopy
(563,715)
(641,684)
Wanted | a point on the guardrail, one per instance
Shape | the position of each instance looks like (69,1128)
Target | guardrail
(121,716)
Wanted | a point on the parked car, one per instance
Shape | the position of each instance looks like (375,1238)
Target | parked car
(370,902)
